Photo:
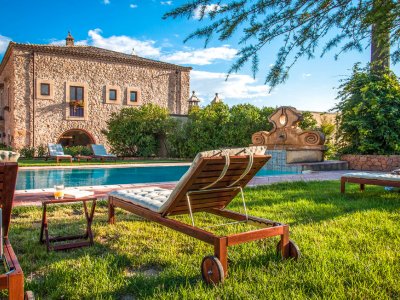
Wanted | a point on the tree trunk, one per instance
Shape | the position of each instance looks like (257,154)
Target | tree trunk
(380,36)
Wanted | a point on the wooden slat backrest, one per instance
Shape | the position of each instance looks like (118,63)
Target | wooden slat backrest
(8,178)
(207,171)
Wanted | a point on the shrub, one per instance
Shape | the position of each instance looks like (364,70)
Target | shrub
(369,119)
(328,129)
(5,147)
(137,131)
(41,151)
(218,126)
(27,152)
(78,150)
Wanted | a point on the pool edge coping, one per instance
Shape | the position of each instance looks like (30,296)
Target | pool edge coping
(108,166)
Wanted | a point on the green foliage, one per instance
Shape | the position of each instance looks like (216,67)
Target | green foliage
(136,131)
(27,152)
(308,122)
(369,122)
(41,151)
(218,126)
(298,25)
(328,129)
(78,150)
(5,147)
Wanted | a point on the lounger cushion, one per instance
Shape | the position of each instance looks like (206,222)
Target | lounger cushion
(377,176)
(396,172)
(100,150)
(56,150)
(150,197)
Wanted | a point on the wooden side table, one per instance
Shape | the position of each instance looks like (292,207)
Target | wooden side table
(78,241)
(87,157)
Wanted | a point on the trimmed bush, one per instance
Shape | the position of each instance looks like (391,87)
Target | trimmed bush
(41,151)
(5,147)
(27,152)
(78,150)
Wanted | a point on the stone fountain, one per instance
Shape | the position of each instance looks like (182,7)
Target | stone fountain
(294,149)
(300,145)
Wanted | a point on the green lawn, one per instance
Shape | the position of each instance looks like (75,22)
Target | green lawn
(350,245)
(51,162)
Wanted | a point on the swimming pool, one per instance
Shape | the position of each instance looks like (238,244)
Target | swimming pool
(47,178)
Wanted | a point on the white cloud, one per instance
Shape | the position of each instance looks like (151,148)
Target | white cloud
(166,2)
(207,9)
(148,48)
(305,75)
(4,43)
(106,2)
(236,89)
(122,43)
(201,57)
(133,6)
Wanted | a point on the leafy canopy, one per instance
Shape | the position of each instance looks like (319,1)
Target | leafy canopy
(219,126)
(300,26)
(137,131)
(369,119)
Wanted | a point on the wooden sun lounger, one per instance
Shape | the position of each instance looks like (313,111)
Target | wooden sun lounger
(363,178)
(13,280)
(57,152)
(99,152)
(209,190)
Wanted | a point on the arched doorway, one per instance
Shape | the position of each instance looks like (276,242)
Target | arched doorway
(76,137)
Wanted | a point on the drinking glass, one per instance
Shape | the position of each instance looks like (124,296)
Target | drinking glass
(59,191)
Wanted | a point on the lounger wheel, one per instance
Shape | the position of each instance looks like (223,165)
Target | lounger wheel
(212,270)
(294,250)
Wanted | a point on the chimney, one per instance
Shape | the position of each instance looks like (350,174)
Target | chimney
(69,41)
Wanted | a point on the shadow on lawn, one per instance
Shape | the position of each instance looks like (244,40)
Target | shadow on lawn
(48,274)
(293,201)
(303,203)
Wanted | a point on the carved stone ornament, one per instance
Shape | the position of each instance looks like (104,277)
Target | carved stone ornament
(286,134)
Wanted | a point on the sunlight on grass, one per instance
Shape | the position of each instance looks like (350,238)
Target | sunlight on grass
(350,246)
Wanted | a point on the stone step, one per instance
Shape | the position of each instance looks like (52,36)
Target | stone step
(328,165)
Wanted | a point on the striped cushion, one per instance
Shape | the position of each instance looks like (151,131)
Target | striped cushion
(150,197)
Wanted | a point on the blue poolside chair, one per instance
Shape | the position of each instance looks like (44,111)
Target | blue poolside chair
(56,151)
(100,152)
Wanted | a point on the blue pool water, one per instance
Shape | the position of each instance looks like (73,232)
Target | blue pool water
(42,178)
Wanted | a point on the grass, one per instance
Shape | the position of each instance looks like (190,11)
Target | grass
(350,245)
(51,162)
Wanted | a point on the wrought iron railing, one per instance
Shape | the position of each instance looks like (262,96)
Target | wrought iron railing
(76,111)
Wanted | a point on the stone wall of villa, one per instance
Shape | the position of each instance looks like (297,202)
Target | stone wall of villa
(372,162)
(7,77)
(165,87)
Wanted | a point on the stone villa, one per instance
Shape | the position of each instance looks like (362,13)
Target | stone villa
(65,94)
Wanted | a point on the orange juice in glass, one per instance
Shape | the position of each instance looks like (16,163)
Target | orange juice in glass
(59,191)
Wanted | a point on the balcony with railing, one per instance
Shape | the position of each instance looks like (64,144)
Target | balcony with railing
(76,111)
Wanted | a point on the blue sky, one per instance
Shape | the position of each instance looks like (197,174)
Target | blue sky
(121,25)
